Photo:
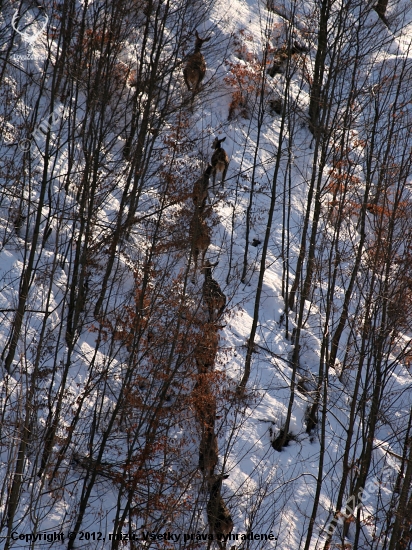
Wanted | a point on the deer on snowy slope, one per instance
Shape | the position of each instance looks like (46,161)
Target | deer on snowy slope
(219,161)
(199,233)
(204,402)
(208,451)
(218,515)
(195,68)
(206,348)
(212,293)
(200,189)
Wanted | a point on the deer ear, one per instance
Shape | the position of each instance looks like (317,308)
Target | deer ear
(197,34)
(207,39)
(223,139)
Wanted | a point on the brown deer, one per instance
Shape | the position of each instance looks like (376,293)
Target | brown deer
(204,403)
(212,294)
(199,233)
(206,349)
(200,189)
(219,161)
(208,451)
(195,68)
(218,515)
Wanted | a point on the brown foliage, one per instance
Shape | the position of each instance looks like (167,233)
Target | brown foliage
(245,77)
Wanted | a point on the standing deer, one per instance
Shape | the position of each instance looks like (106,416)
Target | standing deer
(212,294)
(218,515)
(199,233)
(206,349)
(200,188)
(195,68)
(219,161)
(208,451)
(204,403)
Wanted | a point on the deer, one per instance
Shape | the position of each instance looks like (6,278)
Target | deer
(208,451)
(204,403)
(206,349)
(200,189)
(195,68)
(199,233)
(219,161)
(212,293)
(218,515)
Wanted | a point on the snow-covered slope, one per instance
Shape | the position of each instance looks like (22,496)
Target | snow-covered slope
(99,427)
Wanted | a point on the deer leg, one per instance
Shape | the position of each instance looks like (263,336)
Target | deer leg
(224,175)
(195,258)
(212,314)
(203,256)
(197,87)
(186,80)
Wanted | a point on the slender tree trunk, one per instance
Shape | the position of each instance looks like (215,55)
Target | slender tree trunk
(400,536)
(251,342)
(261,113)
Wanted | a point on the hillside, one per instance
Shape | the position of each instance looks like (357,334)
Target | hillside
(188,362)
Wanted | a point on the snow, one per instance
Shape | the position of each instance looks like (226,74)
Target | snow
(267,491)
